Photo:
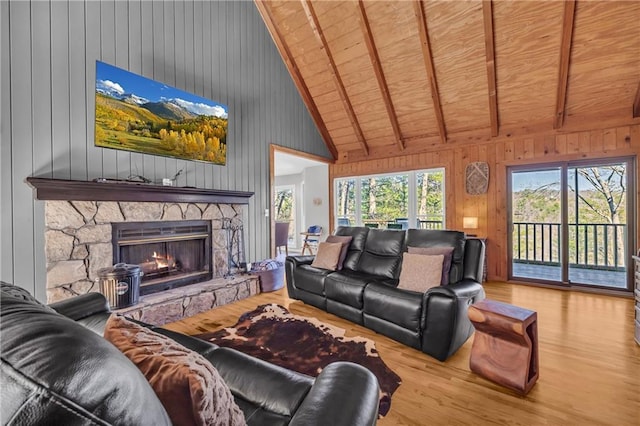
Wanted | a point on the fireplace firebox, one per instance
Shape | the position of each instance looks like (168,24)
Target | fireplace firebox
(170,254)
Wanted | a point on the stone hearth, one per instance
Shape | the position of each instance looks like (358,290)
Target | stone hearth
(78,237)
(175,304)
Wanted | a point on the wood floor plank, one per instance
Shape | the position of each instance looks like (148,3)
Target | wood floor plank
(589,363)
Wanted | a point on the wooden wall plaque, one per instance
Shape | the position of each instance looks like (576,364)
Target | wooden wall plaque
(477,178)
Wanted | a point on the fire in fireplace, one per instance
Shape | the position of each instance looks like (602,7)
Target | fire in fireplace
(170,254)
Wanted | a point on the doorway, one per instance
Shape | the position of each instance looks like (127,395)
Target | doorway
(573,223)
(299,193)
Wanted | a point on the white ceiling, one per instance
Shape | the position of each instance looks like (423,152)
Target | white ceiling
(287,164)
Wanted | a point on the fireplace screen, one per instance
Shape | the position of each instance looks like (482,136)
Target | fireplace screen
(171,254)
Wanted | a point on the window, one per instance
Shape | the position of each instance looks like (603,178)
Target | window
(396,201)
(430,198)
(384,199)
(346,201)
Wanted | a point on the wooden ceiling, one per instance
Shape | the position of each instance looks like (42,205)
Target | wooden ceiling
(383,78)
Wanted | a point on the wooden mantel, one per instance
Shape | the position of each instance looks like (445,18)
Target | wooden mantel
(77,190)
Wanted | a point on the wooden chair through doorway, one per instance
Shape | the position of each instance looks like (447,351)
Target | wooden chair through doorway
(282,237)
(311,238)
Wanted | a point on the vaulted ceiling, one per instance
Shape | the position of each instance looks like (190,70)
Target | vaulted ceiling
(382,77)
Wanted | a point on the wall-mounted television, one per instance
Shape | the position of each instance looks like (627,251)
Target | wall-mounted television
(134,113)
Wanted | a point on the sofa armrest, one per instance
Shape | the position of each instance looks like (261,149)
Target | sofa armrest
(82,306)
(445,322)
(300,260)
(474,252)
(343,394)
(465,289)
(290,265)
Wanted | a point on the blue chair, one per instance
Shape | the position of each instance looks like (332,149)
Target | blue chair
(403,221)
(344,221)
(311,238)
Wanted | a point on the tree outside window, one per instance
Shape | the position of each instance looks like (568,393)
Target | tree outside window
(412,199)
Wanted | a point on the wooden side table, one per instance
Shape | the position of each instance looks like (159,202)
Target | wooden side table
(505,347)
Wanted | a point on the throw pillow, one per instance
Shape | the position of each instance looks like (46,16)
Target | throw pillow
(346,242)
(447,252)
(328,256)
(420,272)
(189,387)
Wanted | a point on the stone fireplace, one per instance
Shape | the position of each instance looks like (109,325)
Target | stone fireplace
(78,237)
(79,241)
(170,254)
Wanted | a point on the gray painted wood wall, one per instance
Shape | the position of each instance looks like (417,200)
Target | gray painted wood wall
(218,50)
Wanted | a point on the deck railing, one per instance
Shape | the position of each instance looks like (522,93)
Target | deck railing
(591,245)
(430,224)
(384,223)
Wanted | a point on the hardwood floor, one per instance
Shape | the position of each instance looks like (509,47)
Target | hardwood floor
(589,363)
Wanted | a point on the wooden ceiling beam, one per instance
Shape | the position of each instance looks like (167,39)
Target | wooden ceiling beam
(636,103)
(431,142)
(333,69)
(297,76)
(377,67)
(565,56)
(489,44)
(431,71)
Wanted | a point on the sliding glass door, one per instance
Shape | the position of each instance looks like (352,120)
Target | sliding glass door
(598,225)
(572,223)
(536,219)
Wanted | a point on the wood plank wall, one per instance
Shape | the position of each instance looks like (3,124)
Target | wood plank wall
(491,208)
(219,50)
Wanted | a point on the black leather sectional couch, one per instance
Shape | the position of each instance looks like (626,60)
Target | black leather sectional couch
(365,289)
(57,369)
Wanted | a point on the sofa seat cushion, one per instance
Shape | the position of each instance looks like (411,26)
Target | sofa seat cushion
(257,415)
(398,306)
(311,279)
(261,390)
(347,286)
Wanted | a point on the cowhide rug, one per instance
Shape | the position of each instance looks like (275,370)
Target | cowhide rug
(272,333)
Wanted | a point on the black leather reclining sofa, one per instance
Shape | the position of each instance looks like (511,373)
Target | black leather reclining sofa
(56,369)
(365,289)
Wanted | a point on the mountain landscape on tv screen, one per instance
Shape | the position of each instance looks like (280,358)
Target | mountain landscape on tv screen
(137,114)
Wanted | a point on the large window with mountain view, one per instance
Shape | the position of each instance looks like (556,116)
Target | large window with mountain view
(573,223)
(404,200)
